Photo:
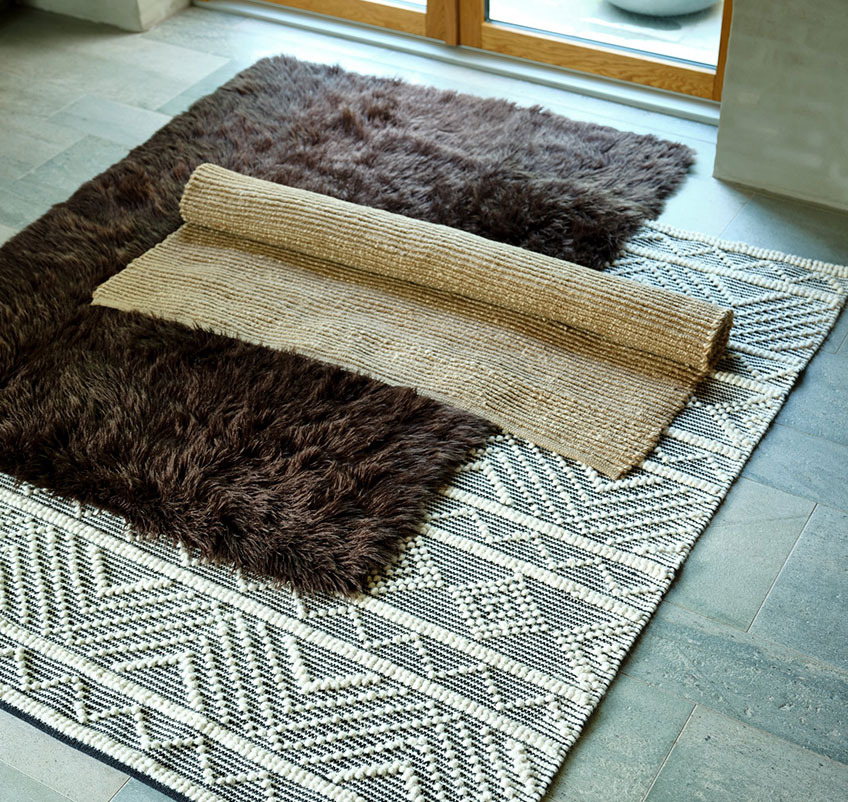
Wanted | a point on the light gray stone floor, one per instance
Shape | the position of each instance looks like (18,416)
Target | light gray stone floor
(738,689)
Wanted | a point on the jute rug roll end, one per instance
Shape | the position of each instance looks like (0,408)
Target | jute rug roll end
(589,365)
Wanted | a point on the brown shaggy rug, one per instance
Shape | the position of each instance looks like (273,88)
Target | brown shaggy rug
(270,461)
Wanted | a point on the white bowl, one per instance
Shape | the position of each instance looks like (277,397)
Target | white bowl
(663,8)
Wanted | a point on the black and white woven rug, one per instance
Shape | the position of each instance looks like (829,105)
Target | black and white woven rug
(467,671)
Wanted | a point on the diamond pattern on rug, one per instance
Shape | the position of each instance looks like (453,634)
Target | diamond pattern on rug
(472,664)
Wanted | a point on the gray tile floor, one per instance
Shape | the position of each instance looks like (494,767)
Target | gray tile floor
(738,689)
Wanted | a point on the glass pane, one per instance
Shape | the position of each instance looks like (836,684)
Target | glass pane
(682,30)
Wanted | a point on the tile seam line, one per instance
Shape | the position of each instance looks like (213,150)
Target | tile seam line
(710,618)
(817,437)
(781,569)
(668,753)
(38,780)
(124,785)
(146,36)
(72,102)
(316,636)
(841,673)
(784,741)
(768,194)
(721,234)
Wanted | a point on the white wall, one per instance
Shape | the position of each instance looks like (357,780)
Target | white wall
(131,15)
(784,110)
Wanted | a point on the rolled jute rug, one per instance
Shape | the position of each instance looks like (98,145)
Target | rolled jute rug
(592,366)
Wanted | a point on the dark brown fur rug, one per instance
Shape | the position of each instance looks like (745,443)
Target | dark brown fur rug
(265,460)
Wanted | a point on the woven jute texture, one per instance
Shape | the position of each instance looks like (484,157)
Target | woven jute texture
(467,671)
(590,365)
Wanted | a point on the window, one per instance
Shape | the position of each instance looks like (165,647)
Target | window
(677,45)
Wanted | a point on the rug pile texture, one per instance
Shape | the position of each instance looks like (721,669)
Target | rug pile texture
(589,365)
(262,459)
(468,669)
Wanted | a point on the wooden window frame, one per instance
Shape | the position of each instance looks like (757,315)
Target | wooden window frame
(598,59)
(397,17)
(463,22)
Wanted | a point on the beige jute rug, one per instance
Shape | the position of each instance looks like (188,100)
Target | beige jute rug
(590,365)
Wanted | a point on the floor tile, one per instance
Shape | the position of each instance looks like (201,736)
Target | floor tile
(719,579)
(206,86)
(706,205)
(29,137)
(801,464)
(62,175)
(108,119)
(220,35)
(838,337)
(17,212)
(6,232)
(718,759)
(617,756)
(819,404)
(29,140)
(15,786)
(36,98)
(757,681)
(62,768)
(82,58)
(806,607)
(793,227)
(135,791)
(35,194)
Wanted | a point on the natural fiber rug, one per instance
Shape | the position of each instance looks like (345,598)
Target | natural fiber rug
(262,459)
(468,670)
(588,365)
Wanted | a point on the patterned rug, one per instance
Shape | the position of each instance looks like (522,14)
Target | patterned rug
(466,672)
